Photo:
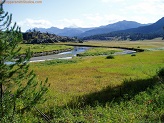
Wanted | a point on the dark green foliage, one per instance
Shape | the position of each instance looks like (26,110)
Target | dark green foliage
(57,61)
(110,57)
(19,90)
(132,36)
(37,37)
(133,55)
(161,74)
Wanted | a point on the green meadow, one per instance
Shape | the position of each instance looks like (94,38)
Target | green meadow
(42,47)
(80,76)
(146,44)
(99,51)
(92,89)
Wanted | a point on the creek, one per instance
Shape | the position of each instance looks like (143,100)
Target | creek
(63,55)
(73,53)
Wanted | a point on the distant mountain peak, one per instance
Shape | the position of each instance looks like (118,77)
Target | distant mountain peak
(148,31)
(161,20)
(74,30)
(123,21)
(120,25)
(73,26)
(52,27)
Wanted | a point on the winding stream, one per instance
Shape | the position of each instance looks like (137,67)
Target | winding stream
(74,52)
(63,55)
(70,54)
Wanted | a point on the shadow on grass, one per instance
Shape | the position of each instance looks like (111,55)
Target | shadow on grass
(126,91)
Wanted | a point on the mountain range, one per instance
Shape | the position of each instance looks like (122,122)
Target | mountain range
(83,32)
(156,27)
(121,25)
(150,31)
(70,32)
(118,27)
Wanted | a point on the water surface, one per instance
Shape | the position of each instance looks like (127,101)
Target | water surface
(63,55)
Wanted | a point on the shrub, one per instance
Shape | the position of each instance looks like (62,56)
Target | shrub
(161,74)
(133,55)
(110,57)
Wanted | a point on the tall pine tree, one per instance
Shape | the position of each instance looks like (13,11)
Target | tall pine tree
(19,90)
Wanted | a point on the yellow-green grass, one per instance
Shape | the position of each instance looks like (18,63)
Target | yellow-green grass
(42,47)
(99,51)
(145,44)
(81,76)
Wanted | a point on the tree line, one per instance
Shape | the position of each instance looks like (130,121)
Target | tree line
(20,91)
(36,37)
(125,36)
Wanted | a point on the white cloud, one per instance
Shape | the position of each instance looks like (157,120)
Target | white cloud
(94,17)
(69,22)
(151,7)
(110,11)
(142,11)
(31,23)
(112,1)
(145,11)
(105,1)
(98,20)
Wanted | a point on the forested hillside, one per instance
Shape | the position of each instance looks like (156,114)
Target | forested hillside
(152,31)
(36,37)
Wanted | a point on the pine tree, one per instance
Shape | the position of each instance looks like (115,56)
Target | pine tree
(19,89)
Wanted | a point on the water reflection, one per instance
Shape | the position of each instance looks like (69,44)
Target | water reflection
(69,55)
(63,55)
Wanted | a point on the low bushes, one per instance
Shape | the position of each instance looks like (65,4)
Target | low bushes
(161,74)
(110,57)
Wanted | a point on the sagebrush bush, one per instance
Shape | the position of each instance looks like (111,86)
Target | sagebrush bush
(133,55)
(110,57)
(161,73)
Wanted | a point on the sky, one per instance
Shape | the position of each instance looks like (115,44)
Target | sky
(83,13)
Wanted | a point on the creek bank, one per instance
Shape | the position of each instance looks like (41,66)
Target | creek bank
(62,55)
(125,48)
(45,53)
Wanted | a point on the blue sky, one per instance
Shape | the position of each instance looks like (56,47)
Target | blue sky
(83,13)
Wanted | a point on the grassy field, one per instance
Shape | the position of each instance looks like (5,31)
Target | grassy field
(42,47)
(99,51)
(88,90)
(146,44)
(89,74)
(96,89)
